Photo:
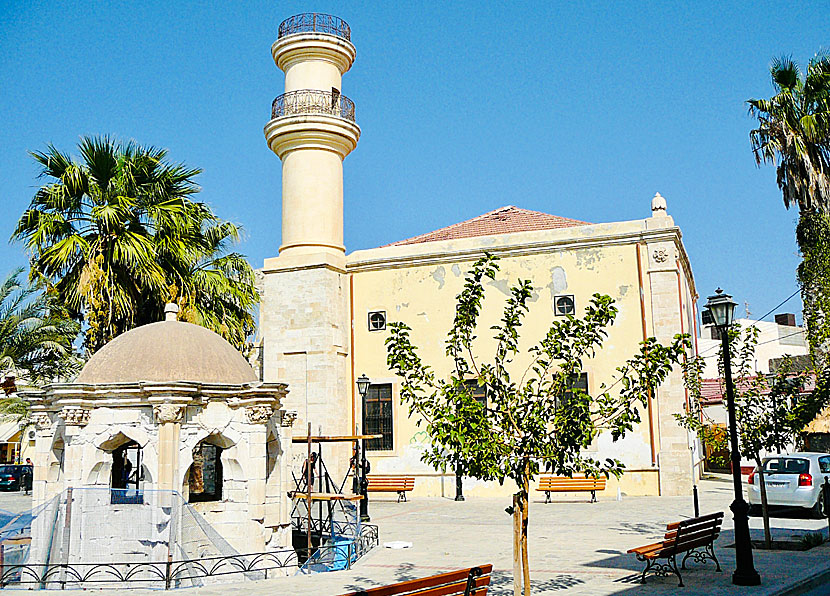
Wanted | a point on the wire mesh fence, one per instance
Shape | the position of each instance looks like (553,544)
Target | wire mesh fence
(98,537)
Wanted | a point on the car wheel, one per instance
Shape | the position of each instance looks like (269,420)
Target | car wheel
(819,510)
(754,510)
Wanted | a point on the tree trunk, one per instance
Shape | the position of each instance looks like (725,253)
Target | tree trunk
(525,559)
(517,545)
(764,506)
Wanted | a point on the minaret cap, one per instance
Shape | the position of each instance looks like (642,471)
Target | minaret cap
(171,309)
(658,205)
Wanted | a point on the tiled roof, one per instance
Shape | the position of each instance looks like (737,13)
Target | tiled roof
(505,220)
(713,391)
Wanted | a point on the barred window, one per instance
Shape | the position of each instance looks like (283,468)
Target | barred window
(479,392)
(574,382)
(377,320)
(127,475)
(205,475)
(377,417)
(563,305)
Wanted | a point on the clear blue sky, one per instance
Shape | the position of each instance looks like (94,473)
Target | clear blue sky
(576,109)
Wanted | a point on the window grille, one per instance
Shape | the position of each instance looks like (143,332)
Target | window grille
(574,382)
(563,305)
(377,320)
(479,392)
(377,417)
(205,477)
(127,475)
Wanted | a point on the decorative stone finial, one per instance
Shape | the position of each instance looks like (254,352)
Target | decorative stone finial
(658,205)
(171,309)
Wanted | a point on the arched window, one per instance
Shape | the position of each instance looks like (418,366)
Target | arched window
(205,476)
(127,474)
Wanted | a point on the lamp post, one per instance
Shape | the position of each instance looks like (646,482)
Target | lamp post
(363,383)
(722,309)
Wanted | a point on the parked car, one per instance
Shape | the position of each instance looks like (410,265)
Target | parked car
(794,480)
(11,475)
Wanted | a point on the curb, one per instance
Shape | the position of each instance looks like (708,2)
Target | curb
(805,584)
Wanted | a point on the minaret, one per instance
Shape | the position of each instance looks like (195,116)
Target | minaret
(312,129)
(304,315)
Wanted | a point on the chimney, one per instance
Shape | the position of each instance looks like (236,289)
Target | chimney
(785,318)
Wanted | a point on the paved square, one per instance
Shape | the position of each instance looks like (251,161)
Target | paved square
(576,547)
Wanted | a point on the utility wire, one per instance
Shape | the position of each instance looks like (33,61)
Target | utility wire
(780,305)
(759,344)
(773,309)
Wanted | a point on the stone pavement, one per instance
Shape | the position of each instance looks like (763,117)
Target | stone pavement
(576,548)
(15,501)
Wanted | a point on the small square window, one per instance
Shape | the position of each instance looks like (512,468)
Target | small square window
(377,320)
(563,305)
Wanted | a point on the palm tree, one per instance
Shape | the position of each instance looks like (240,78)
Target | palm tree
(794,130)
(118,234)
(35,334)
(794,134)
(215,288)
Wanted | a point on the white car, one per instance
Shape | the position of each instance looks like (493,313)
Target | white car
(794,480)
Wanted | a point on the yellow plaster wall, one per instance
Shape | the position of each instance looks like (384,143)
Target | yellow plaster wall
(421,291)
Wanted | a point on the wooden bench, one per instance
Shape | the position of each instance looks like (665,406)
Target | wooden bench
(563,484)
(695,537)
(469,582)
(391,484)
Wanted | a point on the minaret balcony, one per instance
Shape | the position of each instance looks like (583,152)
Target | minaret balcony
(313,102)
(315,22)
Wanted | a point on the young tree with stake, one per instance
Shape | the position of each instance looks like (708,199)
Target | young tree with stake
(771,410)
(533,421)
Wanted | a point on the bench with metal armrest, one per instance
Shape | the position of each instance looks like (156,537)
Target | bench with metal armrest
(693,538)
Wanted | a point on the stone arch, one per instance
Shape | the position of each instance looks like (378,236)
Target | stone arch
(113,438)
(55,459)
(234,480)
(99,475)
(116,436)
(274,474)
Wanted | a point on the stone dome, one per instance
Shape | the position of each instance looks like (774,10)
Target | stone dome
(168,351)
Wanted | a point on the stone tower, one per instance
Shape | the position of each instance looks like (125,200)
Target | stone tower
(305,307)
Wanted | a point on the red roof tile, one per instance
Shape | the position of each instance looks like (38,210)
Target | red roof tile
(505,220)
(713,391)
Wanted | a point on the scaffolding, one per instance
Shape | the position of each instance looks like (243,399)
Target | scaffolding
(325,520)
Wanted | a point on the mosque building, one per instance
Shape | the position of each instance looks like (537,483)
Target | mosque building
(325,313)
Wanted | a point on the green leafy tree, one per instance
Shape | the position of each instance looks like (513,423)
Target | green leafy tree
(794,134)
(771,411)
(117,234)
(35,341)
(532,421)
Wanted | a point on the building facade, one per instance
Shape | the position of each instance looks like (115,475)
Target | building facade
(324,313)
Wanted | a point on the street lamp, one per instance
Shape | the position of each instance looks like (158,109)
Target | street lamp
(722,308)
(363,383)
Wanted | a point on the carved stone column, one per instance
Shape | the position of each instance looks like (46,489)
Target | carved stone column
(168,417)
(43,444)
(74,418)
(258,416)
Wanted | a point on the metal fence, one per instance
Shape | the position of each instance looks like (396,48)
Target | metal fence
(313,101)
(314,22)
(176,573)
(97,538)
